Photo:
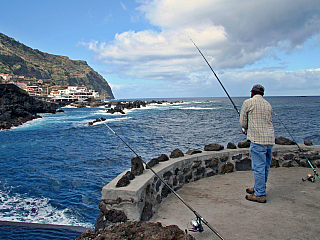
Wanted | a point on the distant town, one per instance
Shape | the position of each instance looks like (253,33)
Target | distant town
(45,88)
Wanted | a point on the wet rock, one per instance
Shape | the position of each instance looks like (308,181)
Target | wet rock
(176,153)
(284,141)
(213,147)
(136,166)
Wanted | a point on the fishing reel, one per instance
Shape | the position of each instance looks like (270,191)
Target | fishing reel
(196,225)
(310,178)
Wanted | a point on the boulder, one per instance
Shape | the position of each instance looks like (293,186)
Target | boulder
(176,153)
(136,166)
(213,147)
(130,175)
(137,231)
(152,163)
(123,181)
(308,142)
(245,144)
(284,141)
(163,158)
(231,146)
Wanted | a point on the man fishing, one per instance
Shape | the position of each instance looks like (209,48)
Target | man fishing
(256,119)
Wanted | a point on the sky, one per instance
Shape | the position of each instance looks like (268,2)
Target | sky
(143,49)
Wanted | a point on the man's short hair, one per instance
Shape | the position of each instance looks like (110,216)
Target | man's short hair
(258,89)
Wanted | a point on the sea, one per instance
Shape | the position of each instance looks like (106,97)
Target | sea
(53,168)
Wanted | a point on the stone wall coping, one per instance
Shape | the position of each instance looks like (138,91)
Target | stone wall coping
(140,181)
(133,198)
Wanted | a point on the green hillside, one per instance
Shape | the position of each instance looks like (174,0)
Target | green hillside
(19,59)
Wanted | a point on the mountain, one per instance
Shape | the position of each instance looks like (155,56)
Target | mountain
(19,59)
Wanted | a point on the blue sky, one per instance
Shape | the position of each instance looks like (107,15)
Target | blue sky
(143,50)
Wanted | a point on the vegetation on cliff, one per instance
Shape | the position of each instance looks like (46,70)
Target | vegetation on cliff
(19,59)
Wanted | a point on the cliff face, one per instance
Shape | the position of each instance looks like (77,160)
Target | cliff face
(18,59)
(17,107)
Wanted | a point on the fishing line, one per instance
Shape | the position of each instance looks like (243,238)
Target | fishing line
(310,164)
(235,107)
(197,223)
(244,131)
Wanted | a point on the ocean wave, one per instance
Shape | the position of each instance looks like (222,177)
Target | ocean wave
(21,208)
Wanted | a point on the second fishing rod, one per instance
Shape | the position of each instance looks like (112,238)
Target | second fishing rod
(244,131)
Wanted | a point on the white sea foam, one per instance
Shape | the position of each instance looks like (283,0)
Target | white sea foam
(20,208)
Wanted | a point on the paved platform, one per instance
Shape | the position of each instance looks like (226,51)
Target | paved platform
(292,210)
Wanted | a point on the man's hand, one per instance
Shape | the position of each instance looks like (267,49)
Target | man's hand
(244,131)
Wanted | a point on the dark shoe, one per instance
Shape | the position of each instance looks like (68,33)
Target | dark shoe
(250,190)
(254,198)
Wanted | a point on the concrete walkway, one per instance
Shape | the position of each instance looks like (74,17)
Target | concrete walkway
(292,210)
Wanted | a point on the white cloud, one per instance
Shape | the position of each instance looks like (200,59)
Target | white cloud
(231,34)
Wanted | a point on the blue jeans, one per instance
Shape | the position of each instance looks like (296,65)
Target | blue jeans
(261,156)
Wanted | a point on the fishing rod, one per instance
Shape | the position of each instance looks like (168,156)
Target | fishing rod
(235,107)
(315,172)
(310,164)
(197,227)
(244,131)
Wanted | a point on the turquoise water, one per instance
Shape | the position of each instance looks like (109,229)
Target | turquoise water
(53,168)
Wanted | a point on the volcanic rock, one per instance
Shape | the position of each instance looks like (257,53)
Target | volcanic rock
(284,141)
(136,166)
(124,181)
(163,158)
(245,144)
(308,142)
(17,107)
(137,231)
(231,145)
(176,153)
(213,147)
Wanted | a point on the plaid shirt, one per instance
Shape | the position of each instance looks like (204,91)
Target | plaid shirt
(256,117)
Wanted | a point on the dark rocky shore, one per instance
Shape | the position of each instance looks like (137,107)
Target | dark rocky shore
(17,107)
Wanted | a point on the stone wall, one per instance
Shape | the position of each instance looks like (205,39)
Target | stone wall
(138,201)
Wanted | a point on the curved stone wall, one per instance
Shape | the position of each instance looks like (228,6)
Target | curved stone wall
(139,200)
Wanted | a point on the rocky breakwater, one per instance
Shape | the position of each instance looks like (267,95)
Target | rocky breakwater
(136,194)
(17,107)
(119,107)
